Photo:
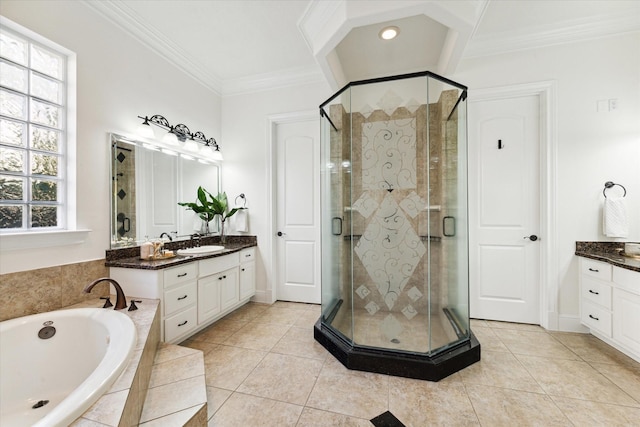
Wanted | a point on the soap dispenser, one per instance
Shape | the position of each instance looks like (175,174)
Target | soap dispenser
(146,249)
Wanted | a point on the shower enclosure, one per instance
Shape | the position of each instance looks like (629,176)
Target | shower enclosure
(394,227)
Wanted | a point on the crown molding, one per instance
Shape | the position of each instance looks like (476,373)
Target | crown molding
(559,33)
(124,17)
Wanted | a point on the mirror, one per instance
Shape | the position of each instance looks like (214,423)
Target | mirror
(147,184)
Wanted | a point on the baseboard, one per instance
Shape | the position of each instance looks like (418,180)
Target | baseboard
(567,323)
(262,296)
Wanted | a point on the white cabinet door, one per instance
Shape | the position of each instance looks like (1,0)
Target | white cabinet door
(229,284)
(626,318)
(208,298)
(247,280)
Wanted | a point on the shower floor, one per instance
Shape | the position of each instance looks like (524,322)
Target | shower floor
(396,332)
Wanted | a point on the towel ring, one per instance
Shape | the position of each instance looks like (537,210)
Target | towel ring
(610,184)
(244,199)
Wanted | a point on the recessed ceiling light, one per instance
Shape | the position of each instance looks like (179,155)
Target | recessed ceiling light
(388,33)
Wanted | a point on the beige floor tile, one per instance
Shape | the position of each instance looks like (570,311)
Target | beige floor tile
(353,393)
(478,323)
(179,418)
(514,326)
(534,344)
(307,319)
(425,403)
(177,369)
(258,335)
(282,377)
(166,352)
(244,410)
(220,331)
(315,418)
(247,312)
(215,398)
(174,397)
(226,367)
(488,339)
(503,407)
(586,413)
(500,370)
(574,379)
(591,349)
(284,315)
(300,342)
(203,346)
(627,377)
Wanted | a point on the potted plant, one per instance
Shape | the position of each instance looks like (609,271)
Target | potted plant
(207,207)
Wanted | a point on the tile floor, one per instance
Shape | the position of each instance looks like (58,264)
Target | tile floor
(263,368)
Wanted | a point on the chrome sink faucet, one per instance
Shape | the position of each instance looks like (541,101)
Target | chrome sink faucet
(121,301)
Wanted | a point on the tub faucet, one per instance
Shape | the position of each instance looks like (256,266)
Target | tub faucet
(121,301)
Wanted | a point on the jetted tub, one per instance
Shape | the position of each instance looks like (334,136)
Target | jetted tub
(51,377)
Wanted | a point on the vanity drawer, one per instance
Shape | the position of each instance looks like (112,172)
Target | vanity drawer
(247,255)
(180,297)
(218,264)
(180,274)
(597,269)
(180,324)
(596,317)
(596,291)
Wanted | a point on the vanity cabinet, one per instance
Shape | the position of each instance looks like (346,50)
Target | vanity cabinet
(610,304)
(195,294)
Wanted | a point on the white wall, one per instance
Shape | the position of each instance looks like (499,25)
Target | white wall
(118,79)
(246,149)
(592,147)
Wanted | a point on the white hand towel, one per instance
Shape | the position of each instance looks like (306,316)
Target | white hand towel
(242,221)
(615,221)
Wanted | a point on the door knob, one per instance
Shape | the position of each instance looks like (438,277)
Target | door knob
(533,237)
(280,234)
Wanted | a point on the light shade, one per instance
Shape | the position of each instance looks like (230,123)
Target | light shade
(216,154)
(145,130)
(170,138)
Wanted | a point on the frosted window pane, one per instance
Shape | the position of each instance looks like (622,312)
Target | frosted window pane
(45,114)
(11,188)
(10,216)
(13,48)
(12,133)
(43,164)
(44,216)
(44,191)
(13,76)
(45,139)
(13,105)
(11,160)
(46,62)
(45,88)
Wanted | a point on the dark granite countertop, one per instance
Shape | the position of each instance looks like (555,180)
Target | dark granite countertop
(129,257)
(609,252)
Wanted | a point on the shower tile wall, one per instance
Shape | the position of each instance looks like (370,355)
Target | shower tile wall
(365,188)
(124,192)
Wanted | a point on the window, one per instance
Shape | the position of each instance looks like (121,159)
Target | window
(33,132)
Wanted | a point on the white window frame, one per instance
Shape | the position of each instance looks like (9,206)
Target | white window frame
(68,233)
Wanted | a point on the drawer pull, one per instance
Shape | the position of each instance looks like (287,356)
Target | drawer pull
(593,317)
(183,323)
(182,275)
(594,270)
(181,298)
(594,292)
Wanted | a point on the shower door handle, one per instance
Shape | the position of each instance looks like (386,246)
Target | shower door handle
(449,226)
(336,226)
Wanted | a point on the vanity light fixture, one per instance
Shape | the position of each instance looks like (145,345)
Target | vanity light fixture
(388,33)
(180,134)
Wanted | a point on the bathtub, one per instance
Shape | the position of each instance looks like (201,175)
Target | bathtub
(51,381)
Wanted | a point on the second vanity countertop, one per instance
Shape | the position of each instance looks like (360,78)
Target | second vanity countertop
(129,257)
(608,252)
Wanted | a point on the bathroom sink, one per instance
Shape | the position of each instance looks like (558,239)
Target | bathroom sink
(201,250)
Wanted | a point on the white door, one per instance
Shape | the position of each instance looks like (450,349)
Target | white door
(298,211)
(504,202)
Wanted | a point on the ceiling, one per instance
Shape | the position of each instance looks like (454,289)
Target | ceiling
(237,46)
